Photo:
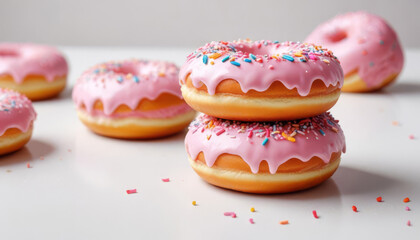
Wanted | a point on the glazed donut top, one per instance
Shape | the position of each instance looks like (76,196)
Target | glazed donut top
(20,60)
(363,42)
(275,142)
(256,65)
(16,111)
(125,82)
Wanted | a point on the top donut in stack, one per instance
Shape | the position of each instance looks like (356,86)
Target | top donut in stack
(261,80)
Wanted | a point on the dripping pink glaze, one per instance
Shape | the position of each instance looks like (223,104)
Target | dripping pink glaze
(236,140)
(363,42)
(16,111)
(20,60)
(167,112)
(261,72)
(125,82)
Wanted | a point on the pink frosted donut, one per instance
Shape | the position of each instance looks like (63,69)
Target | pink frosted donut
(265,157)
(262,80)
(37,71)
(16,120)
(132,99)
(368,48)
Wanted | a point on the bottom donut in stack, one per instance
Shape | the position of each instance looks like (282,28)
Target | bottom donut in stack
(265,157)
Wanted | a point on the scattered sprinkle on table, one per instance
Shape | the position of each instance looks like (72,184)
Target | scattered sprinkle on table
(284,222)
(28,165)
(379,199)
(395,123)
(194,203)
(409,223)
(354,208)
(230,214)
(165,180)
(407,208)
(411,137)
(315,214)
(252,209)
(251,220)
(406,200)
(131,191)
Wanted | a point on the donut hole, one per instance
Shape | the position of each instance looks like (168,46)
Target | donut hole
(337,35)
(8,53)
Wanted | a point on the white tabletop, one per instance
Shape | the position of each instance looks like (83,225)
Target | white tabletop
(76,186)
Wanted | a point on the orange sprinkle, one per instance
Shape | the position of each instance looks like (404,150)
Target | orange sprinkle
(161,74)
(212,63)
(208,137)
(28,165)
(406,200)
(354,208)
(325,61)
(215,55)
(379,199)
(395,123)
(364,52)
(284,222)
(291,139)
(298,54)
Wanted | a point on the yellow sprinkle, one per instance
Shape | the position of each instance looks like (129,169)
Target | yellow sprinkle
(275,57)
(325,61)
(232,59)
(208,137)
(291,139)
(284,135)
(194,203)
(252,209)
(129,75)
(212,63)
(161,74)
(215,55)
(298,54)
(275,132)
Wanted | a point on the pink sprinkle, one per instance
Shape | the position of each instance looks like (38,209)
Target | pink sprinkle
(411,137)
(231,214)
(271,67)
(267,132)
(251,221)
(315,214)
(131,191)
(28,165)
(220,131)
(165,179)
(407,209)
(409,223)
(312,57)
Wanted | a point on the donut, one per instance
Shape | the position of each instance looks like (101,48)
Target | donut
(132,99)
(367,46)
(261,81)
(265,157)
(16,120)
(37,71)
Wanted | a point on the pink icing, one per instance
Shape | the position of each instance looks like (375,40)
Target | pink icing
(363,42)
(167,112)
(125,82)
(22,59)
(16,111)
(256,65)
(274,142)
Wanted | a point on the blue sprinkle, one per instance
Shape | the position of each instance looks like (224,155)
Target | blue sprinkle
(253,56)
(136,79)
(331,123)
(274,128)
(287,57)
(322,132)
(371,64)
(302,59)
(96,71)
(276,42)
(381,42)
(205,59)
(119,79)
(235,63)
(247,60)
(199,55)
(225,58)
(265,141)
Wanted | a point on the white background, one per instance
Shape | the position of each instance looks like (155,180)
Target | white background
(189,23)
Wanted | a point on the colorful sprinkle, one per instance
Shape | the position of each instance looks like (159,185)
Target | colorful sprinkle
(235,63)
(136,79)
(406,200)
(165,180)
(194,203)
(284,222)
(265,141)
(409,223)
(248,60)
(220,131)
(379,199)
(322,132)
(225,58)
(28,165)
(315,214)
(251,221)
(411,137)
(289,58)
(354,208)
(205,59)
(120,79)
(253,56)
(252,209)
(407,208)
(131,191)
(230,214)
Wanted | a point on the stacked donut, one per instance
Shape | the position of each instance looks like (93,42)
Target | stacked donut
(264,127)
